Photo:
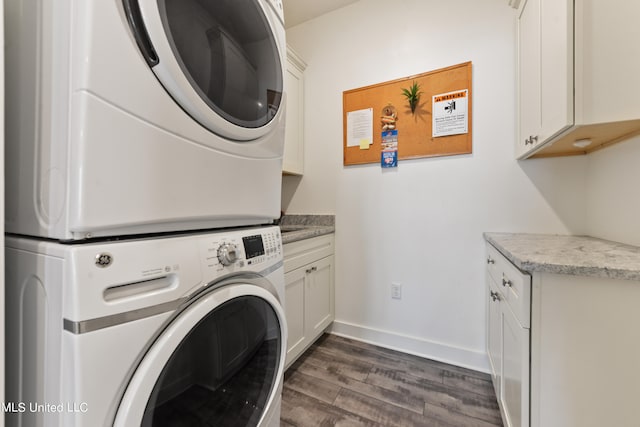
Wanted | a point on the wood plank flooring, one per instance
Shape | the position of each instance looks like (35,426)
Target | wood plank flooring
(343,382)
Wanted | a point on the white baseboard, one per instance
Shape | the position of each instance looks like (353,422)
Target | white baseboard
(412,345)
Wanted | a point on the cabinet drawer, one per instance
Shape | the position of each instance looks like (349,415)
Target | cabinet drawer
(493,263)
(302,252)
(514,285)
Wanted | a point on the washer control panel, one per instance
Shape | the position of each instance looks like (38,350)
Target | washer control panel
(227,253)
(250,249)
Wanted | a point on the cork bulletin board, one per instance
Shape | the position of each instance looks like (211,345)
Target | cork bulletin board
(415,137)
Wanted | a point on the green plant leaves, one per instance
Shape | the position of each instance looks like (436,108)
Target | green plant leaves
(413,95)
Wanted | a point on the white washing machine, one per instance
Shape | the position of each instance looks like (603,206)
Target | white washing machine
(187,330)
(142,116)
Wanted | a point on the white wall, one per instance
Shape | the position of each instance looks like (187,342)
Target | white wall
(613,199)
(422,224)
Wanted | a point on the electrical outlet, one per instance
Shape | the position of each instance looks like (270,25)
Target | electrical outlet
(396,291)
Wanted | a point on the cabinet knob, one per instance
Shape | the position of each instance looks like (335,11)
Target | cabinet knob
(495,296)
(311,270)
(531,140)
(491,261)
(506,282)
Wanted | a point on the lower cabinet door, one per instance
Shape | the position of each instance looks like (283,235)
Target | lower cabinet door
(295,286)
(494,333)
(320,301)
(514,395)
(309,304)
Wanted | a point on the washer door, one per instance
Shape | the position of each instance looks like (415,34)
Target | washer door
(220,60)
(219,362)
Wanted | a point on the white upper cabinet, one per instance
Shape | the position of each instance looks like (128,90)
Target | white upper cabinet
(293,162)
(529,117)
(578,75)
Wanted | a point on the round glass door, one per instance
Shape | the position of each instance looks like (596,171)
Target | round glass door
(222,373)
(221,368)
(215,58)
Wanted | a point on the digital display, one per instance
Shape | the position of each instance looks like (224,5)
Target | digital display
(253,246)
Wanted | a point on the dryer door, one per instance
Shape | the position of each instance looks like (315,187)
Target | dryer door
(221,61)
(220,362)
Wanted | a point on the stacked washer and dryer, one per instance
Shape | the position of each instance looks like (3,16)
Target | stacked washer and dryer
(144,150)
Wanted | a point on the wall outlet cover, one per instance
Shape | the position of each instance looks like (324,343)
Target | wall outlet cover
(396,291)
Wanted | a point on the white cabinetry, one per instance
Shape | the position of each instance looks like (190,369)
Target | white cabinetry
(508,337)
(309,297)
(545,65)
(293,162)
(578,75)
(563,349)
(494,333)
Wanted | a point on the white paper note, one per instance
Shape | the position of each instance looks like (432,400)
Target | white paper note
(360,128)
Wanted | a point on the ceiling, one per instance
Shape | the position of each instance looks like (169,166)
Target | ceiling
(299,11)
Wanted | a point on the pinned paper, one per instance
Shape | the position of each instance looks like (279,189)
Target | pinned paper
(389,154)
(450,111)
(365,143)
(360,127)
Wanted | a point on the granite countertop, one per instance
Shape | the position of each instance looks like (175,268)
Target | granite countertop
(574,255)
(299,227)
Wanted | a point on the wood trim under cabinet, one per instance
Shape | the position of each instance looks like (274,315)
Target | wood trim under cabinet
(601,134)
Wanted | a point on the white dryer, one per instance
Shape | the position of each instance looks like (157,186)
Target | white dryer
(187,330)
(142,116)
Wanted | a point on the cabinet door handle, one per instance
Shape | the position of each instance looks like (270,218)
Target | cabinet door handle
(505,281)
(495,296)
(311,270)
(491,261)
(531,140)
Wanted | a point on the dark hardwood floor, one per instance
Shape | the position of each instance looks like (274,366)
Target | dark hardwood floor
(343,382)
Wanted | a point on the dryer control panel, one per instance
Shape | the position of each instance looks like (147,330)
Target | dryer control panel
(251,250)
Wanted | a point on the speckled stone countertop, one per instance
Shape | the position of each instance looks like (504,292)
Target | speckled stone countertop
(300,227)
(574,255)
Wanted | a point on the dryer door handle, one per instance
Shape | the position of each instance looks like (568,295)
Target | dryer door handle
(132,9)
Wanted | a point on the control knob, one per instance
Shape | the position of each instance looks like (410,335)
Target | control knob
(227,254)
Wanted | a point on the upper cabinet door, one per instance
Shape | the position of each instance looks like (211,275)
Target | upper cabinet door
(293,162)
(219,60)
(529,117)
(545,71)
(578,76)
(556,67)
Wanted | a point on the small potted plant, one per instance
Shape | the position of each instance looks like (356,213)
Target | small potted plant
(413,95)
